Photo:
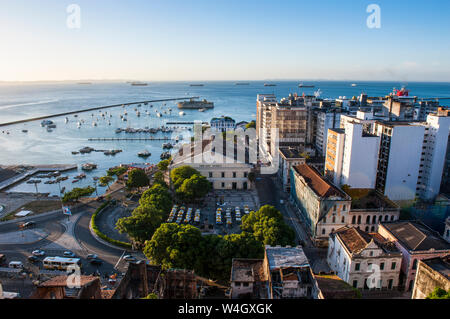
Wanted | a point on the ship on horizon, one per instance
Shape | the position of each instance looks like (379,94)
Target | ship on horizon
(269,84)
(138,84)
(301,85)
(197,85)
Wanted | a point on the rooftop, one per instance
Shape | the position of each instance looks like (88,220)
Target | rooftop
(290,153)
(247,270)
(337,130)
(366,198)
(333,287)
(416,236)
(356,240)
(440,264)
(61,281)
(286,257)
(318,183)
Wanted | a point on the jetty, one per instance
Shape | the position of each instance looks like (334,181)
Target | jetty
(20,177)
(93,109)
(185,123)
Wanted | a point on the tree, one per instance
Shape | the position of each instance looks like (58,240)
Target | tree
(194,188)
(180,174)
(116,171)
(105,180)
(439,293)
(252,177)
(142,223)
(252,124)
(158,196)
(268,226)
(175,246)
(164,165)
(158,178)
(76,193)
(137,178)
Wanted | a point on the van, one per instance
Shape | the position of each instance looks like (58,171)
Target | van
(16,264)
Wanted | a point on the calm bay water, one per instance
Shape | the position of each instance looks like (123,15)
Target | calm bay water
(21,101)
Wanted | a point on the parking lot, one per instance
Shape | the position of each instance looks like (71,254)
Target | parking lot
(224,199)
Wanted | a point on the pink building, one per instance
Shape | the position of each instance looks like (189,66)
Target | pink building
(416,241)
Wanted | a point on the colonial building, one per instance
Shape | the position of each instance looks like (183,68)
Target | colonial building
(431,274)
(364,260)
(222,124)
(416,241)
(324,207)
(289,157)
(222,170)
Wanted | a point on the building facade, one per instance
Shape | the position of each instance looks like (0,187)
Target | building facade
(363,260)
(431,274)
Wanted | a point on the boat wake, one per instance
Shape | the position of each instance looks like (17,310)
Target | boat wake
(2,107)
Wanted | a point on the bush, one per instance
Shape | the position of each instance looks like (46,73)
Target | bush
(76,193)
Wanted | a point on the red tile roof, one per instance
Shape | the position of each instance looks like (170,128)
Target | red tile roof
(317,183)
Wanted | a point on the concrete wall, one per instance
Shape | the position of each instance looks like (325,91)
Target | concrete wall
(427,279)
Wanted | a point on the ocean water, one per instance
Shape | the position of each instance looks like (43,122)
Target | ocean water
(37,147)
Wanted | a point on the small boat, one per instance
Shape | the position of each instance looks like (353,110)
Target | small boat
(354,84)
(201,110)
(88,167)
(25,131)
(144,154)
(182,113)
(75,181)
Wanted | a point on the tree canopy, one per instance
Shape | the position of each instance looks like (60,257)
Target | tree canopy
(137,178)
(252,124)
(105,180)
(268,226)
(117,171)
(76,193)
(439,293)
(164,165)
(180,174)
(158,196)
(194,188)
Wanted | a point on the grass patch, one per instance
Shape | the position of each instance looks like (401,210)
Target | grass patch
(37,207)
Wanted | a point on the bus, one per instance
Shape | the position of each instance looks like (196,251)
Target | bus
(60,263)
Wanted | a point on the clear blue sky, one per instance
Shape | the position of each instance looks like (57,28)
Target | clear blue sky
(225,40)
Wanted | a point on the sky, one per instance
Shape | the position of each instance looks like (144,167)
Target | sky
(179,40)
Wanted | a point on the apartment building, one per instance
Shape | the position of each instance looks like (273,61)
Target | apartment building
(364,260)
(325,119)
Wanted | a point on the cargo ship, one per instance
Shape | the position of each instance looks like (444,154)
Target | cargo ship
(301,85)
(193,104)
(268,84)
(138,84)
(197,85)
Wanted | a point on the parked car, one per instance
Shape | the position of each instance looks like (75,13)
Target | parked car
(91,257)
(129,258)
(28,224)
(96,262)
(38,253)
(33,259)
(69,254)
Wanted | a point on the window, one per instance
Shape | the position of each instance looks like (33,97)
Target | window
(359,219)
(392,218)
(234,174)
(223,174)
(334,219)
(386,218)
(323,231)
(357,266)
(367,228)
(223,185)
(343,208)
(334,208)
(394,264)
(414,264)
(355,283)
(245,174)
(210,174)
(368,220)
(343,219)
(382,266)
(245,284)
(354,220)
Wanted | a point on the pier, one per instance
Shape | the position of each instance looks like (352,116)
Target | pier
(185,123)
(44,169)
(94,109)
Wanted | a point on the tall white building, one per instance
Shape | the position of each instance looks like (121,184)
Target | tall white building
(325,120)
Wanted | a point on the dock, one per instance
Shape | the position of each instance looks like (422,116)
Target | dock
(185,123)
(44,169)
(93,109)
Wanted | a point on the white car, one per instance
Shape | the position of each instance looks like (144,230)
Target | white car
(38,253)
(69,254)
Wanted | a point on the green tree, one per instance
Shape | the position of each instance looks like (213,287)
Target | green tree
(175,246)
(252,124)
(268,226)
(180,174)
(194,188)
(116,171)
(158,178)
(252,177)
(137,178)
(164,165)
(142,223)
(105,181)
(158,196)
(76,193)
(439,293)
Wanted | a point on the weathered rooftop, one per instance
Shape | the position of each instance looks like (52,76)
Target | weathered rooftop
(61,281)
(440,264)
(333,287)
(247,270)
(318,183)
(366,198)
(286,257)
(290,153)
(416,236)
